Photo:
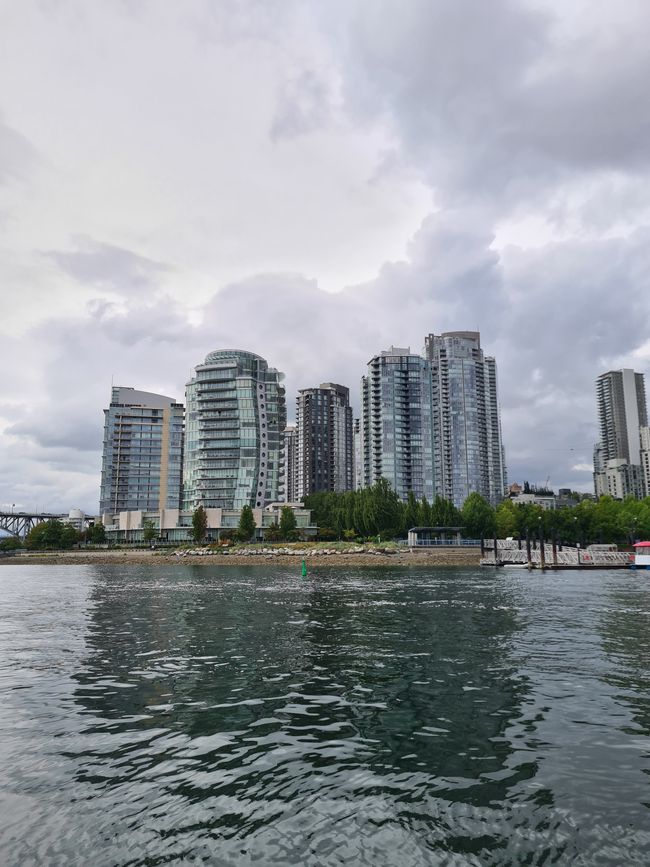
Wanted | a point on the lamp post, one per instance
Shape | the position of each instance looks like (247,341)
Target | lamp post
(575,535)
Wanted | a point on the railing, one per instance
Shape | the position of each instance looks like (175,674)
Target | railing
(509,554)
(447,543)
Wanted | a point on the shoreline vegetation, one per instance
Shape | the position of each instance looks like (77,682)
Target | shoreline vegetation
(315,555)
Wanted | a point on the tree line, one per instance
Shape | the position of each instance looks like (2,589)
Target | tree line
(379,511)
(55,535)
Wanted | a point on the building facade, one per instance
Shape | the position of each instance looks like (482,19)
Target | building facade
(174,526)
(142,452)
(397,434)
(622,413)
(324,442)
(358,454)
(644,435)
(469,452)
(290,465)
(236,415)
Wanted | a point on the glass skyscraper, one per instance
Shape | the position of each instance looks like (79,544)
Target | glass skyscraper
(142,452)
(397,436)
(236,415)
(469,454)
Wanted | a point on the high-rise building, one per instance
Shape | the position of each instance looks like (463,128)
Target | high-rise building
(397,432)
(236,415)
(468,445)
(622,412)
(358,454)
(142,452)
(290,465)
(325,456)
(644,433)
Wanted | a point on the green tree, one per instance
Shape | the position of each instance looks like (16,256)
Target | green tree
(247,524)
(97,534)
(424,513)
(478,517)
(199,524)
(386,508)
(411,512)
(272,533)
(68,536)
(506,519)
(148,532)
(47,534)
(288,524)
(10,543)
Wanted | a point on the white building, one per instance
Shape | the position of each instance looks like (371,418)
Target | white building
(622,415)
(174,526)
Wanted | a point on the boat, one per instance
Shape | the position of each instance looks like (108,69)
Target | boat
(641,557)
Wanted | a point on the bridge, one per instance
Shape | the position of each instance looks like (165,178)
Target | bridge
(553,556)
(20,523)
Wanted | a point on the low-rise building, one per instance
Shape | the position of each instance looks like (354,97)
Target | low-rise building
(174,526)
(546,502)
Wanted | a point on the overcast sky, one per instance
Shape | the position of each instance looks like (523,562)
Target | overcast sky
(315,182)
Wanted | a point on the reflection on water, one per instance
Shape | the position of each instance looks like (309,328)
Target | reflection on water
(407,717)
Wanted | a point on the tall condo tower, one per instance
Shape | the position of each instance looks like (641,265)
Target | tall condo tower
(469,453)
(325,452)
(236,415)
(397,434)
(290,463)
(622,412)
(142,452)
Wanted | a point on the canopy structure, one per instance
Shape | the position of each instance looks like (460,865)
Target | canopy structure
(641,545)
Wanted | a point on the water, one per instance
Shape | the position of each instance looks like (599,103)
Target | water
(218,715)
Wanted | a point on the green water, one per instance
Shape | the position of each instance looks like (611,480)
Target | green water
(223,715)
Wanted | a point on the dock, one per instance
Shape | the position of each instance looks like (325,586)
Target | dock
(551,556)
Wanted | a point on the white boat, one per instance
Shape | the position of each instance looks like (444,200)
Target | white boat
(641,556)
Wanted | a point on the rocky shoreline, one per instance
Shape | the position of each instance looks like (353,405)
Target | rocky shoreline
(314,557)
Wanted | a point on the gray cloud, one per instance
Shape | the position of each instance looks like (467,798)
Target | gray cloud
(108,267)
(491,103)
(303,106)
(17,154)
(508,112)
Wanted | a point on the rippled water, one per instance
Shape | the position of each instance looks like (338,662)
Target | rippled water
(384,717)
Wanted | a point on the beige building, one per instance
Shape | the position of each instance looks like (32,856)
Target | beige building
(174,526)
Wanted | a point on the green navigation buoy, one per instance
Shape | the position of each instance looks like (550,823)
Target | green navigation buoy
(304,569)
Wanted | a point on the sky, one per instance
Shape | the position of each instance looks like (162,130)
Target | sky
(315,182)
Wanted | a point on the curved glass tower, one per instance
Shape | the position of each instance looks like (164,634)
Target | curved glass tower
(235,417)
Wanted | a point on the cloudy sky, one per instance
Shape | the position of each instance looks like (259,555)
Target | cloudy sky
(315,181)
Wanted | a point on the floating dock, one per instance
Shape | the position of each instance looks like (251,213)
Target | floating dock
(552,556)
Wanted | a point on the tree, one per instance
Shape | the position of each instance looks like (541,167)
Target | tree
(97,534)
(424,513)
(10,543)
(47,534)
(506,519)
(288,524)
(478,517)
(148,532)
(411,512)
(246,524)
(68,536)
(199,524)
(386,508)
(272,533)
